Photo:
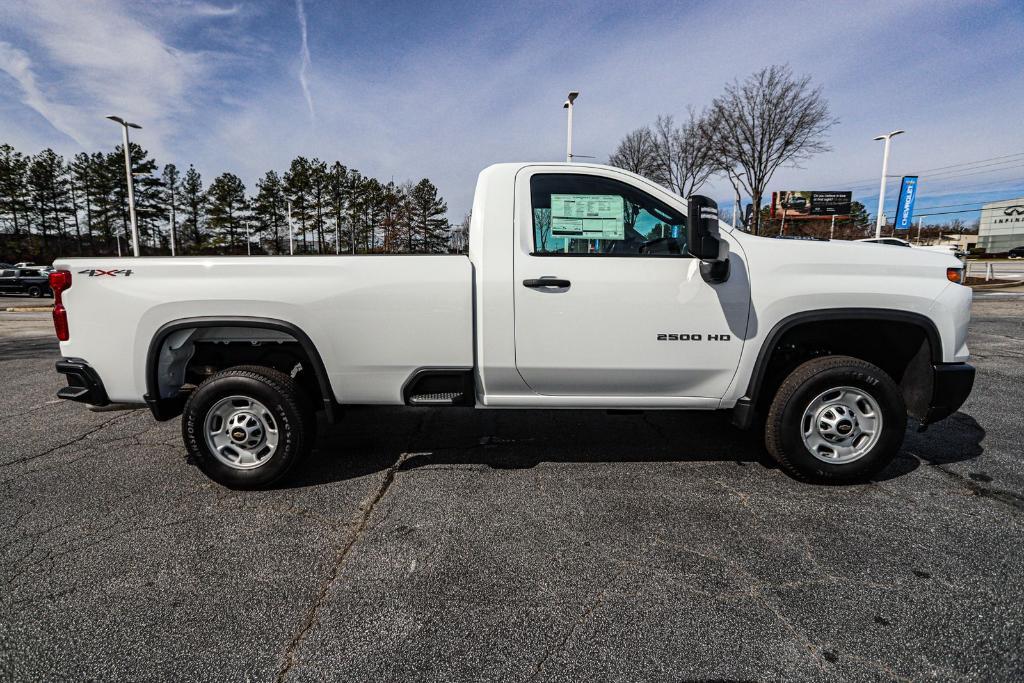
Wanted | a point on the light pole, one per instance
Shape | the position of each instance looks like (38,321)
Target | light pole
(885,169)
(568,141)
(125,125)
(291,231)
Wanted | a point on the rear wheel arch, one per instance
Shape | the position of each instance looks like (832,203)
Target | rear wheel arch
(166,407)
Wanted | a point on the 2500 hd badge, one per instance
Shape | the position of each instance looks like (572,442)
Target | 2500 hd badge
(694,337)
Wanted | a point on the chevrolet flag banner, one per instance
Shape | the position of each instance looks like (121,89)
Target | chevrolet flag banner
(905,206)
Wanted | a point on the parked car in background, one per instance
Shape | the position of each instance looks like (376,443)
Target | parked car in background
(1016,252)
(891,241)
(24,281)
(950,249)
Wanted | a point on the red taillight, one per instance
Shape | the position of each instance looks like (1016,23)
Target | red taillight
(60,280)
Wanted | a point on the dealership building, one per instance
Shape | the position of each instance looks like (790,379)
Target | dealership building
(1002,226)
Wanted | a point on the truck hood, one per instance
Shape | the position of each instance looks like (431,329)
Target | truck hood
(845,255)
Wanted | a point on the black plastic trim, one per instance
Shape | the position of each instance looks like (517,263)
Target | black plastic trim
(951,385)
(420,374)
(84,384)
(167,408)
(744,416)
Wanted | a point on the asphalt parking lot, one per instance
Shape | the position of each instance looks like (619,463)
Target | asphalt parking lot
(508,545)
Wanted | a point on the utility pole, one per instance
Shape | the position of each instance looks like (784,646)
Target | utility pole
(573,94)
(125,125)
(832,230)
(885,170)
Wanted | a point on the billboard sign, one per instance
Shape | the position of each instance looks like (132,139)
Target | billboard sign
(905,206)
(811,204)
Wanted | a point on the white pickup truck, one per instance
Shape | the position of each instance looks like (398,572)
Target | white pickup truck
(585,286)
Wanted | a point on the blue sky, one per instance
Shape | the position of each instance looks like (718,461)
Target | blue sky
(405,90)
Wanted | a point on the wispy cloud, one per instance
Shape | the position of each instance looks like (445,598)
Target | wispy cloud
(17,64)
(300,7)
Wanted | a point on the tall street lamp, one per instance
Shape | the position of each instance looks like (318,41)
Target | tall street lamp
(885,169)
(125,125)
(568,107)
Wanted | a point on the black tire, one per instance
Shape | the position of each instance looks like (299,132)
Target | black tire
(290,417)
(35,291)
(785,425)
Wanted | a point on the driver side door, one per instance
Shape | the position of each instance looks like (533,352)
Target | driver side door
(607,301)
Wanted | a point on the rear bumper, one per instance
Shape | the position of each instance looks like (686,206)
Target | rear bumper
(84,385)
(951,385)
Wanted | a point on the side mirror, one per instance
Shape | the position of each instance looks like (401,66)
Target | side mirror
(702,236)
(704,241)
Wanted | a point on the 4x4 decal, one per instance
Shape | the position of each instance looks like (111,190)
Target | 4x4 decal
(93,272)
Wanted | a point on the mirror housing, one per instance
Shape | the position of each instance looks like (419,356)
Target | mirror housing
(704,241)
(702,237)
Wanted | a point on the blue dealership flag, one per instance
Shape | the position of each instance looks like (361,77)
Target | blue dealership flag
(905,206)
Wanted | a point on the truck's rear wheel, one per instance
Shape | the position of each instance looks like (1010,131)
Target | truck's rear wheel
(247,426)
(836,419)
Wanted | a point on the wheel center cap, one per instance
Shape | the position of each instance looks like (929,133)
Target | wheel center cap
(844,427)
(238,434)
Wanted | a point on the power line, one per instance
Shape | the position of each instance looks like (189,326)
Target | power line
(868,182)
(971,163)
(951,174)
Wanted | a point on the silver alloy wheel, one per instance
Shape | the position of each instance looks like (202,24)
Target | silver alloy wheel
(841,425)
(241,432)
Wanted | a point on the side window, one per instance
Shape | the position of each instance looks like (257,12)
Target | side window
(584,215)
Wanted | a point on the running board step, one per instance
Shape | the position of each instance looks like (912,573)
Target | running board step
(449,398)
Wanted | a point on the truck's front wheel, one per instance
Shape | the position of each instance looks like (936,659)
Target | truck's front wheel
(247,426)
(836,419)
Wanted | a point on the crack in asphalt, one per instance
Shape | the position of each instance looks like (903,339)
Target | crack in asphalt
(343,554)
(591,608)
(63,444)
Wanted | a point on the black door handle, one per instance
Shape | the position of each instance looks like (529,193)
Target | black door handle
(546,282)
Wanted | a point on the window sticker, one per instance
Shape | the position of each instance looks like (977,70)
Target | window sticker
(588,216)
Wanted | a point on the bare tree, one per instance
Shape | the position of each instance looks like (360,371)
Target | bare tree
(636,153)
(769,120)
(683,155)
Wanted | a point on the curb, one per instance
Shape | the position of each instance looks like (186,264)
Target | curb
(28,309)
(1000,285)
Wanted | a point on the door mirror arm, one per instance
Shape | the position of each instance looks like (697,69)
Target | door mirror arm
(704,241)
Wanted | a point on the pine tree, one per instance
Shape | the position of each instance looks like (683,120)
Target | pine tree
(107,207)
(318,189)
(193,199)
(171,178)
(227,206)
(146,188)
(392,214)
(428,227)
(48,190)
(338,191)
(270,208)
(13,189)
(354,209)
(83,187)
(297,189)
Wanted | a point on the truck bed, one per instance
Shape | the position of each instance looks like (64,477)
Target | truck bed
(374,319)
